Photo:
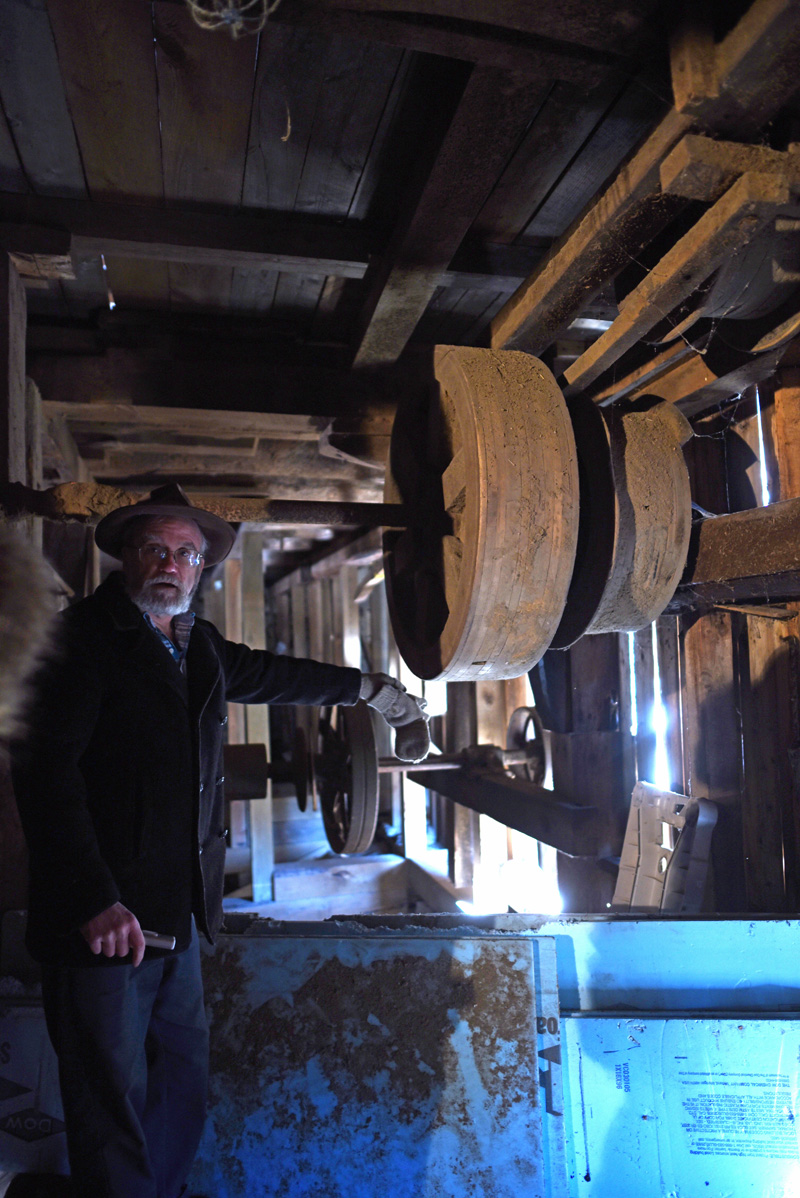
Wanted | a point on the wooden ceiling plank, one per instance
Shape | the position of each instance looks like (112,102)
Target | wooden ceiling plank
(34,101)
(205,88)
(107,64)
(12,176)
(108,68)
(620,222)
(289,78)
(492,116)
(188,421)
(347,118)
(564,122)
(634,111)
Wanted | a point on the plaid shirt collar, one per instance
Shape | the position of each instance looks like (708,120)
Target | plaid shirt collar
(181,631)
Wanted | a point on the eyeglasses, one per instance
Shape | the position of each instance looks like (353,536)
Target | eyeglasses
(153,553)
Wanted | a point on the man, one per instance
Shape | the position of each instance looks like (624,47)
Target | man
(120,790)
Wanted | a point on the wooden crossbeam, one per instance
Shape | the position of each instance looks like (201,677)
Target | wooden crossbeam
(732,89)
(495,109)
(511,50)
(42,232)
(743,557)
(728,226)
(282,242)
(616,227)
(195,422)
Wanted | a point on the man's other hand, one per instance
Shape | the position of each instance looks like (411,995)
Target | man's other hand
(115,932)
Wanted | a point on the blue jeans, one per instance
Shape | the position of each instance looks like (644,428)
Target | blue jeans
(132,1048)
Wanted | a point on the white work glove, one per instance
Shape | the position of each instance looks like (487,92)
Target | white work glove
(403,712)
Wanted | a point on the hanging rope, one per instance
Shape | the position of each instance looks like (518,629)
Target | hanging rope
(242,17)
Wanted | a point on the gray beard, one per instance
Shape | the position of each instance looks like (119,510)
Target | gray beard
(159,603)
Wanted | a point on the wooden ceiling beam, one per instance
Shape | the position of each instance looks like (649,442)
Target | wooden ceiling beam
(492,115)
(633,208)
(741,213)
(170,460)
(195,422)
(469,41)
(282,242)
(611,25)
(209,383)
(743,557)
(735,87)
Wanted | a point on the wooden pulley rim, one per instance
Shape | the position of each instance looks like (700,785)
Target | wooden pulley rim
(348,793)
(596,532)
(652,513)
(484,458)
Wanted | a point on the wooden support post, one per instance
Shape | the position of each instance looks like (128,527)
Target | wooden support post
(347,582)
(13,873)
(461,732)
(713,746)
(592,760)
(786,431)
(262,852)
(644,667)
(236,713)
(667,634)
(767,656)
(492,721)
(13,316)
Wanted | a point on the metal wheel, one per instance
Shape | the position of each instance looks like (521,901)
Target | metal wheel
(525,731)
(346,776)
(483,456)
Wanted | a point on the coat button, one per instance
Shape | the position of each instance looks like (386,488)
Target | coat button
(202,787)
(200,851)
(223,721)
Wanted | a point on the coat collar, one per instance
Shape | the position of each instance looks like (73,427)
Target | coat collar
(202,663)
(126,617)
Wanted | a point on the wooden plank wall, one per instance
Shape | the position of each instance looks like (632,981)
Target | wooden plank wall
(740,676)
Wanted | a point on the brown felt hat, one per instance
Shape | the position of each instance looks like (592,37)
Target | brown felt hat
(171,501)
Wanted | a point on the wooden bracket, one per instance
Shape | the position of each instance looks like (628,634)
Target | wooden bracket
(730,224)
(700,168)
(37,251)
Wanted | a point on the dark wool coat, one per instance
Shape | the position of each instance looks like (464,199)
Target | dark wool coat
(119,782)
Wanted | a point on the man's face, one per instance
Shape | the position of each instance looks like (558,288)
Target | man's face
(162,588)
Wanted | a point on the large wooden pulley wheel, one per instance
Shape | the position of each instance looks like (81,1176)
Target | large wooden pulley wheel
(652,513)
(483,458)
(346,776)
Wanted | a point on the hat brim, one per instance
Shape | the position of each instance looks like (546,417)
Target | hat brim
(109,534)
